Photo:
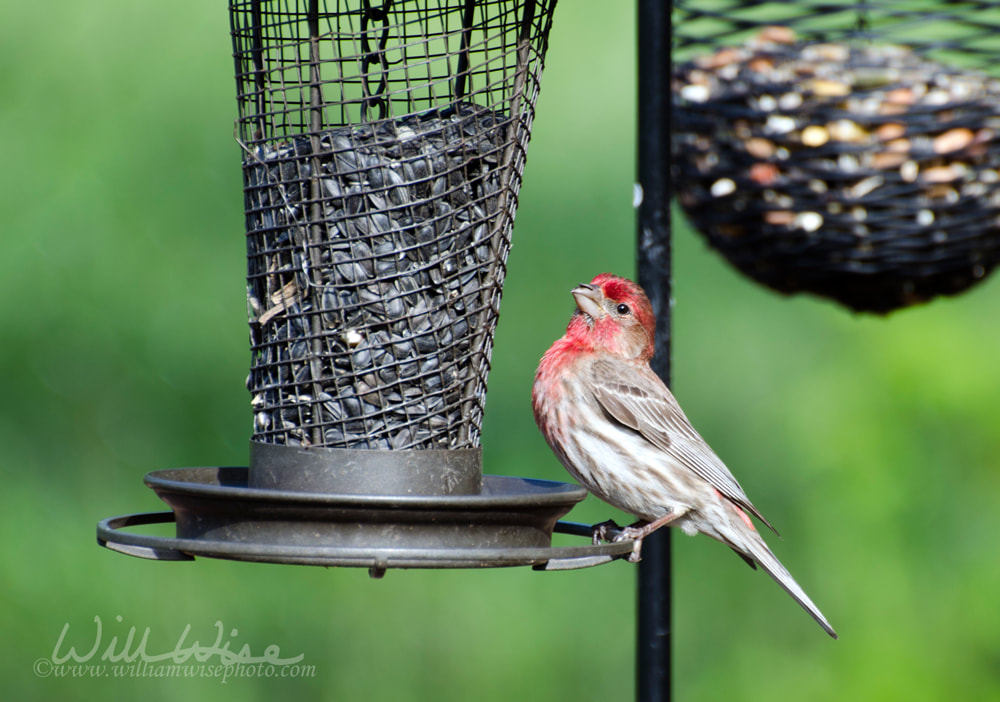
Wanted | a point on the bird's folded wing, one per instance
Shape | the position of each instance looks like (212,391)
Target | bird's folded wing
(643,403)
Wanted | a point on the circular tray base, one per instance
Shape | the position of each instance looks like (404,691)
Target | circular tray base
(510,523)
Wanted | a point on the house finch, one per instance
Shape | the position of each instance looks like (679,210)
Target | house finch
(619,431)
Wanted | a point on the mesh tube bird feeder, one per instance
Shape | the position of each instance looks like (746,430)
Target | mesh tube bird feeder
(847,150)
(382,151)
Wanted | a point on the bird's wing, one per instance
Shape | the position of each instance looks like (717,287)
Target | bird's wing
(640,401)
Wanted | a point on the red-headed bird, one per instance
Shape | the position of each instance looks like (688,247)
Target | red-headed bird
(619,431)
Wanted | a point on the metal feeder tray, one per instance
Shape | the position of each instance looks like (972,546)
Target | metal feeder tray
(218,515)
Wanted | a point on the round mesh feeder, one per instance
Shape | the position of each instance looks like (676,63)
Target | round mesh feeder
(846,151)
(383,146)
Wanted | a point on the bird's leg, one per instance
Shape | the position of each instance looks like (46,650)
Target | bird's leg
(610,531)
(639,531)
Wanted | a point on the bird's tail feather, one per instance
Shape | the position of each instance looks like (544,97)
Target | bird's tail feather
(751,545)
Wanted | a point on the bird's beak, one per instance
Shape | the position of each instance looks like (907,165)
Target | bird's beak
(588,300)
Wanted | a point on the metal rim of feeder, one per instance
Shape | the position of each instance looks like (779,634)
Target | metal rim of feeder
(110,534)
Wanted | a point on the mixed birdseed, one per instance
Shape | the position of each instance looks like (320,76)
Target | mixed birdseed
(866,173)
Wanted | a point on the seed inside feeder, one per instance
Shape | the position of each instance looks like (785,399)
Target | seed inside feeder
(381,245)
(809,221)
(723,187)
(815,135)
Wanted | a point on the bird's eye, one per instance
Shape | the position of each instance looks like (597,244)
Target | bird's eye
(623,309)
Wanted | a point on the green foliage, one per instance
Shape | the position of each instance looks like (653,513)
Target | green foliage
(871,444)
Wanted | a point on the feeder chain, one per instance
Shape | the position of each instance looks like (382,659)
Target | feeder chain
(371,58)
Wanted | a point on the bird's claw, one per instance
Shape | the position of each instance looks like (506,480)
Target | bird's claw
(609,531)
(605,531)
(636,535)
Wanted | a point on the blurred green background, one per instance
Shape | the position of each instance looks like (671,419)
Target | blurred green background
(872,444)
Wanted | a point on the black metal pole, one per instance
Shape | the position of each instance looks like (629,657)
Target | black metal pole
(653,672)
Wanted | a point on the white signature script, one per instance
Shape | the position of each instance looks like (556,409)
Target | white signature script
(128,650)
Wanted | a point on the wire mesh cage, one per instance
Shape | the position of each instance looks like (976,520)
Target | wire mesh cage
(842,149)
(383,150)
